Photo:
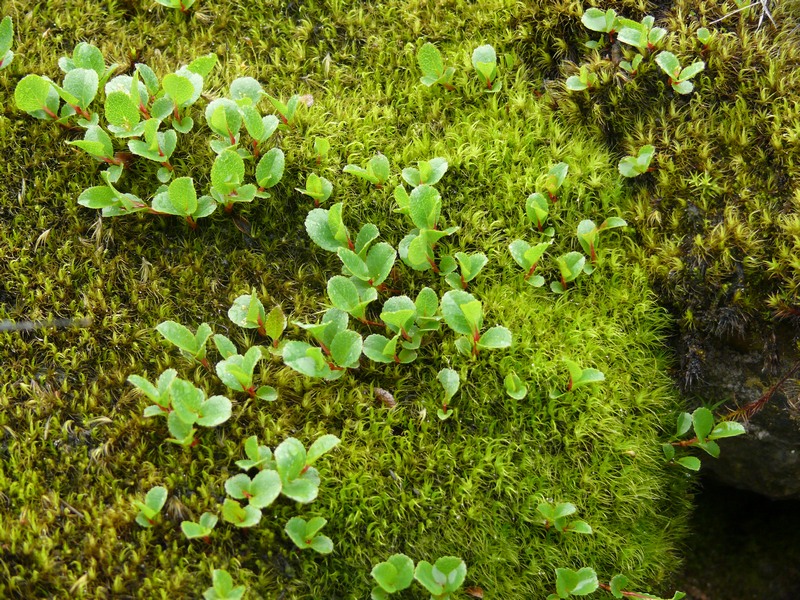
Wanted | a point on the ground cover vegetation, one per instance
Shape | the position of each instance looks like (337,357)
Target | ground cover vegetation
(324,107)
(717,207)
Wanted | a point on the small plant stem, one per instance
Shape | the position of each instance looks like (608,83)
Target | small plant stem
(607,587)
(256,154)
(144,111)
(350,244)
(531,270)
(167,165)
(448,87)
(49,112)
(366,321)
(325,349)
(593,253)
(432,263)
(204,361)
(750,409)
(232,138)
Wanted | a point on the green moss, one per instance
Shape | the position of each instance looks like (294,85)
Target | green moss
(75,450)
(718,223)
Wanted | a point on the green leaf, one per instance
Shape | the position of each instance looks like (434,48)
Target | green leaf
(425,205)
(225,347)
(495,337)
(343,293)
(264,489)
(194,530)
(82,84)
(581,527)
(214,411)
(321,446)
(121,110)
(270,168)
(691,70)
(227,172)
(179,88)
(669,63)
(319,230)
(577,583)
(618,584)
(183,196)
(6,36)
(290,459)
(36,96)
(703,422)
(305,534)
(202,65)
(690,462)
(483,54)
(726,429)
(179,335)
(346,348)
(246,88)
(380,261)
(595,19)
(668,450)
(430,60)
(186,400)
(445,576)
(684,423)
(379,166)
(450,381)
(233,512)
(514,386)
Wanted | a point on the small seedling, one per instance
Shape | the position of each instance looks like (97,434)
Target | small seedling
(484,59)
(299,480)
(642,36)
(227,180)
(336,351)
(286,112)
(433,70)
(317,187)
(158,393)
(260,491)
(327,229)
(222,587)
(6,39)
(570,265)
(269,171)
(97,144)
(183,88)
(678,77)
(470,265)
(417,249)
(515,387)
(247,311)
(241,516)
(183,6)
(600,21)
(538,208)
(427,172)
(191,407)
(703,34)
(275,325)
(350,298)
(202,529)
(191,345)
(377,171)
(528,257)
(632,67)
(112,202)
(374,268)
(157,146)
(589,236)
(705,434)
(464,315)
(555,516)
(305,534)
(442,578)
(578,378)
(574,583)
(87,56)
(633,166)
(150,509)
(236,372)
(450,381)
(392,575)
(180,199)
(258,457)
(584,80)
(321,148)
(618,584)
(554,179)
(38,97)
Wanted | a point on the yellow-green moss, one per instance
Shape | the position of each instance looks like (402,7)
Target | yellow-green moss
(75,450)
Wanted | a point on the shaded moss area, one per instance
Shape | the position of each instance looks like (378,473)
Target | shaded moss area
(75,449)
(718,217)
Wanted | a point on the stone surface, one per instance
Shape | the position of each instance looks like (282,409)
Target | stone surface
(737,372)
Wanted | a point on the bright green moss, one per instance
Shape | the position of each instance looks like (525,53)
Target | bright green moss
(74,449)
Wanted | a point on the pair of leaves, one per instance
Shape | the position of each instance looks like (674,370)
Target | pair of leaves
(260,491)
(192,345)
(151,507)
(189,407)
(305,534)
(642,36)
(450,381)
(442,578)
(470,265)
(570,266)
(202,529)
(222,587)
(633,166)
(327,230)
(393,575)
(236,372)
(528,257)
(584,80)
(578,377)
(555,516)
(318,188)
(679,77)
(180,199)
(350,298)
(484,60)
(600,21)
(589,235)
(374,268)
(299,480)
(515,387)
(227,179)
(247,311)
(537,208)
(464,315)
(377,171)
(427,172)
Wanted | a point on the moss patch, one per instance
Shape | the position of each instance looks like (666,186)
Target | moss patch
(75,450)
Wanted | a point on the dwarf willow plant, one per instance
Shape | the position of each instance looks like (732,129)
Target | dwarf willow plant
(554,179)
(555,516)
(339,348)
(6,40)
(641,35)
(222,587)
(570,266)
(679,77)
(286,112)
(248,312)
(589,235)
(150,509)
(601,21)
(427,172)
(537,208)
(305,534)
(583,582)
(584,80)
(236,372)
(373,268)
(464,315)
(450,381)
(318,188)
(528,257)
(424,207)
(377,171)
(432,66)
(441,579)
(578,378)
(706,432)
(633,166)
(201,529)
(191,345)
(182,5)
(321,148)
(514,386)
(484,60)
(469,266)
